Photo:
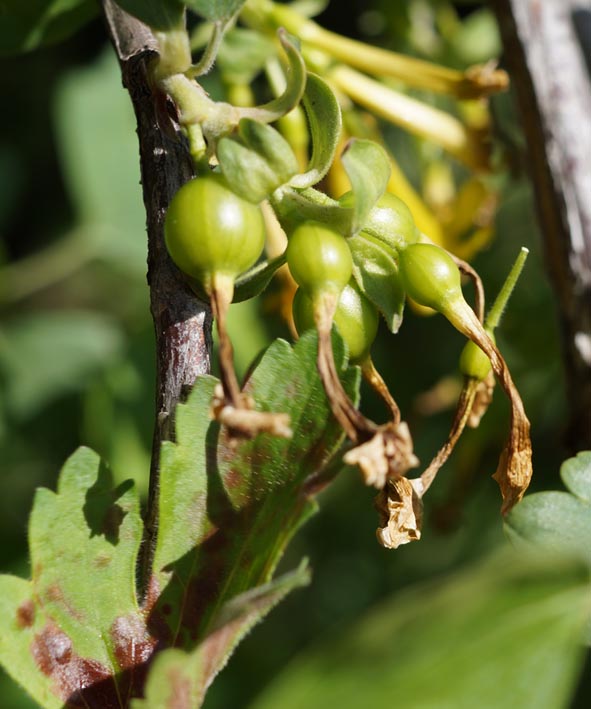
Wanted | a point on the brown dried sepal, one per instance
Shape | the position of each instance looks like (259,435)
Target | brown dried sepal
(230,406)
(515,467)
(514,471)
(482,400)
(401,513)
(244,420)
(462,414)
(387,455)
(354,423)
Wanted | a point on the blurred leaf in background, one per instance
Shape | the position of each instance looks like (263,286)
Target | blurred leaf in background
(507,633)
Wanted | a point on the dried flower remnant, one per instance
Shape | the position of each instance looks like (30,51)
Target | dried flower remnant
(400,508)
(386,456)
(244,420)
(482,400)
(432,279)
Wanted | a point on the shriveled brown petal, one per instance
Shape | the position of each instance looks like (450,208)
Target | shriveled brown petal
(515,469)
(401,513)
(482,400)
(244,421)
(388,454)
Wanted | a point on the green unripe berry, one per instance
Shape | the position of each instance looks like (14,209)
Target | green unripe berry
(355,318)
(319,258)
(211,230)
(430,277)
(390,221)
(473,362)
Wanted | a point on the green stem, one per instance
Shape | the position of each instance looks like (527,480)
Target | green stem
(496,312)
(174,52)
(210,53)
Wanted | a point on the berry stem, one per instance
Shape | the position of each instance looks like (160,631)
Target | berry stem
(375,380)
(221,297)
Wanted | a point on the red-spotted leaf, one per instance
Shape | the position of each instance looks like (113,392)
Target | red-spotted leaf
(183,677)
(75,634)
(229,509)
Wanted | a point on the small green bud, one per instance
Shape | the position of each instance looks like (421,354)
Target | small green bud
(319,258)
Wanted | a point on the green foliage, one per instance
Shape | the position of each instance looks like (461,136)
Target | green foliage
(507,631)
(376,274)
(368,168)
(159,14)
(242,54)
(325,122)
(558,520)
(250,503)
(179,676)
(83,538)
(27,25)
(215,10)
(256,160)
(98,148)
(75,345)
(227,511)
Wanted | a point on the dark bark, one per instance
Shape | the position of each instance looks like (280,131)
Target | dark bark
(548,67)
(182,323)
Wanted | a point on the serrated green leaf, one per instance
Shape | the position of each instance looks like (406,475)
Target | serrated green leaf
(229,509)
(376,274)
(77,627)
(325,122)
(558,520)
(27,25)
(76,633)
(17,621)
(184,677)
(505,633)
(368,169)
(215,9)
(158,14)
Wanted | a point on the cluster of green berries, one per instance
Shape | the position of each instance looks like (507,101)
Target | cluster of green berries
(212,233)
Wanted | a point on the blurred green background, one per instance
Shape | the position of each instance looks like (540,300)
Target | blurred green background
(76,342)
